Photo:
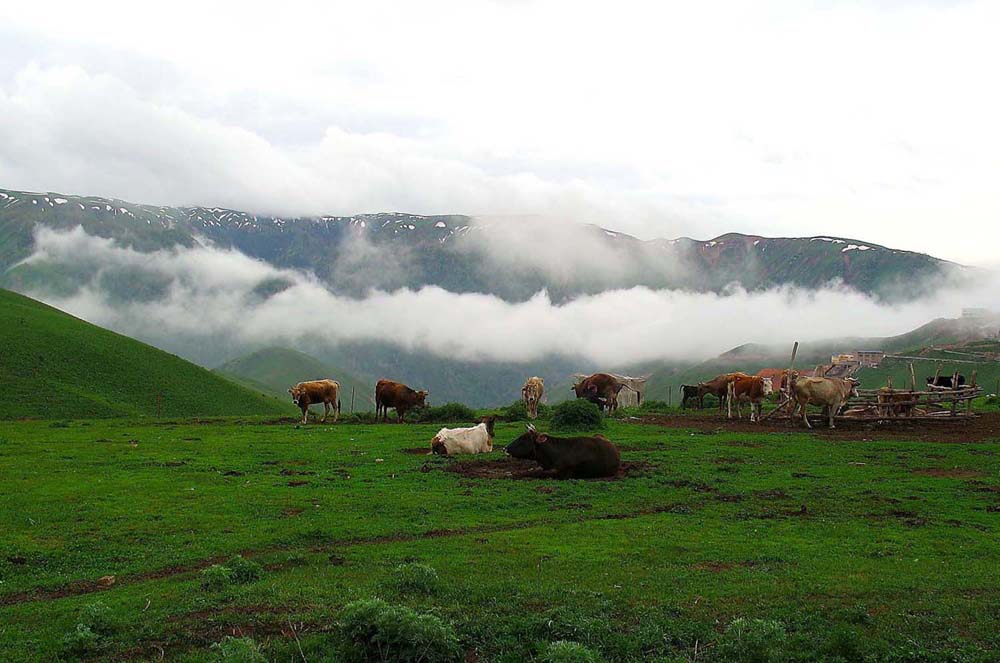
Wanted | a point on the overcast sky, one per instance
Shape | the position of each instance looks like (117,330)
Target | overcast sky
(872,120)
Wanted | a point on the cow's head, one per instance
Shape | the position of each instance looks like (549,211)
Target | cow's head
(421,400)
(524,446)
(578,389)
(296,393)
(489,421)
(768,386)
(853,383)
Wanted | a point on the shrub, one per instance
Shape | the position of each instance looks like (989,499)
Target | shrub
(98,618)
(752,641)
(81,640)
(577,414)
(216,577)
(415,579)
(447,413)
(565,651)
(375,630)
(244,570)
(518,411)
(844,644)
(238,650)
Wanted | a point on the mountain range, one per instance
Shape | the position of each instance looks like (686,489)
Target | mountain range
(508,258)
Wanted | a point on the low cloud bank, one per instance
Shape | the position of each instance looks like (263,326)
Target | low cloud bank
(223,294)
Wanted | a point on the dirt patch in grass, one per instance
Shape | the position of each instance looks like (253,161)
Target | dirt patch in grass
(296,484)
(515,468)
(416,451)
(949,472)
(983,427)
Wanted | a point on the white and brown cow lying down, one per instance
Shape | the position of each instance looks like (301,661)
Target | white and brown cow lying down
(475,440)
(830,393)
(315,392)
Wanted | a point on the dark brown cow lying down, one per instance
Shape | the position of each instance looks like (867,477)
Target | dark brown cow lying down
(570,457)
(389,394)
(315,392)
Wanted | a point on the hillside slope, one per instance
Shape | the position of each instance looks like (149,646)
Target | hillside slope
(56,366)
(276,369)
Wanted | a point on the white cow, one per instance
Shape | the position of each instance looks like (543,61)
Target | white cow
(475,440)
(830,393)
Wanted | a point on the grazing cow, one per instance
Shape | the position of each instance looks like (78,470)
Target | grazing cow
(600,389)
(531,393)
(389,394)
(945,381)
(690,391)
(752,388)
(718,387)
(475,440)
(896,403)
(570,457)
(830,393)
(315,392)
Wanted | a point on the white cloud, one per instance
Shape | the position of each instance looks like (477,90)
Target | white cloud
(211,295)
(870,120)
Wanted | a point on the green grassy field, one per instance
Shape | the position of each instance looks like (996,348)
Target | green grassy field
(817,549)
(54,365)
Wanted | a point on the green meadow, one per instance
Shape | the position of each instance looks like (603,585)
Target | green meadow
(715,545)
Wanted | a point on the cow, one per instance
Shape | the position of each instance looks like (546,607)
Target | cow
(752,388)
(475,440)
(688,392)
(830,393)
(896,403)
(570,457)
(600,389)
(531,393)
(718,387)
(779,376)
(945,381)
(389,394)
(315,392)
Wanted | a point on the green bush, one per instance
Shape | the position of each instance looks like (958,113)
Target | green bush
(98,618)
(447,413)
(752,641)
(81,640)
(565,651)
(216,577)
(844,643)
(377,631)
(579,414)
(238,650)
(244,570)
(518,411)
(415,579)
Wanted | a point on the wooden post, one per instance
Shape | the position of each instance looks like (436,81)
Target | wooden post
(670,388)
(352,399)
(913,378)
(159,403)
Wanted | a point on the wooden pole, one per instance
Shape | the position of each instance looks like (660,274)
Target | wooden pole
(670,388)
(159,402)
(352,399)
(913,378)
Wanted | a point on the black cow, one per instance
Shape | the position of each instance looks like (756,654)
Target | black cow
(570,457)
(945,381)
(690,391)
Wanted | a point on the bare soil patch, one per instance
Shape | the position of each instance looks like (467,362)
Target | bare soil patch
(984,427)
(949,473)
(416,451)
(515,468)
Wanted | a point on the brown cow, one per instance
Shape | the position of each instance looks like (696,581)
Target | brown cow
(752,388)
(600,389)
(315,392)
(389,394)
(718,387)
(779,376)
(531,393)
(896,403)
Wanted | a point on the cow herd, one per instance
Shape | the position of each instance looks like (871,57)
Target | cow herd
(735,388)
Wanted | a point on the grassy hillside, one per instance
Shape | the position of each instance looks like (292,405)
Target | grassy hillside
(274,370)
(56,366)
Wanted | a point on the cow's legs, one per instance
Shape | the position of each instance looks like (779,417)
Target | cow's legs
(326,411)
(805,418)
(305,414)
